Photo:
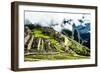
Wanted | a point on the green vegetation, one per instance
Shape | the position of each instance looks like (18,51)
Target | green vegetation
(39,33)
(57,47)
(52,57)
(78,48)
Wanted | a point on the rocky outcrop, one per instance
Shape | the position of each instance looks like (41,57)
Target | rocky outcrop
(41,45)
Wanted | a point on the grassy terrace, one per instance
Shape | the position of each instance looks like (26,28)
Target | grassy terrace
(53,57)
(78,48)
(38,33)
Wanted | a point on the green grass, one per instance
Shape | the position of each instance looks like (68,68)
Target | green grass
(38,33)
(59,47)
(78,48)
(53,57)
(70,43)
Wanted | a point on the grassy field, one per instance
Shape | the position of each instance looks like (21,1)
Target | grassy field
(38,33)
(52,57)
(82,51)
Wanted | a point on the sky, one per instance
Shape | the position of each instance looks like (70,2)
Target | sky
(45,18)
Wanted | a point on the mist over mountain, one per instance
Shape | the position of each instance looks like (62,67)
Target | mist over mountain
(59,25)
(78,30)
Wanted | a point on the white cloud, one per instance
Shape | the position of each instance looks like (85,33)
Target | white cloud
(45,18)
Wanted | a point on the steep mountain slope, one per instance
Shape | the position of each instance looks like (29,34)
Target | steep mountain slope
(44,43)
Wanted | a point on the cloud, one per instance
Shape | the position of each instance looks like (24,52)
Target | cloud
(47,19)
